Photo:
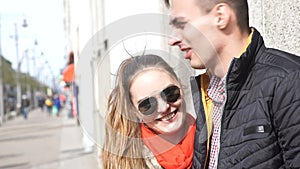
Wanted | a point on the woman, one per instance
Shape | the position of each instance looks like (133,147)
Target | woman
(146,123)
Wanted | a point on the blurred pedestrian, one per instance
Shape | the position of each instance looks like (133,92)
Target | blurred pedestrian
(69,102)
(62,98)
(48,103)
(25,106)
(56,105)
(41,102)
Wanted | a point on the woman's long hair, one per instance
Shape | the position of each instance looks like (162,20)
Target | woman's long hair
(123,147)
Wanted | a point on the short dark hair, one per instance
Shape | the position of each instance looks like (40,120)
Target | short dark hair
(167,3)
(240,8)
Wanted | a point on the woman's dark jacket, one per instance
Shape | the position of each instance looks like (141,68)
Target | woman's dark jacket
(261,119)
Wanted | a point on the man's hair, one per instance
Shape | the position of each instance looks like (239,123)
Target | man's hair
(240,8)
(167,3)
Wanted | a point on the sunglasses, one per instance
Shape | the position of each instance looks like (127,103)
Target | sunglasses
(148,105)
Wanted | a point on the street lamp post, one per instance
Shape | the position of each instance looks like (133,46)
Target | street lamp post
(28,88)
(18,66)
(52,76)
(35,72)
(1,82)
(1,92)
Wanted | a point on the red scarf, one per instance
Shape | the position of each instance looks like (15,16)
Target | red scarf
(167,154)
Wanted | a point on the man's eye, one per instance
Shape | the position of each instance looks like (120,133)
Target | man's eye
(180,24)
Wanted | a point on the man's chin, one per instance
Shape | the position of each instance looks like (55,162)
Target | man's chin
(197,65)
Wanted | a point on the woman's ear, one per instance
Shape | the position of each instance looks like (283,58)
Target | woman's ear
(223,15)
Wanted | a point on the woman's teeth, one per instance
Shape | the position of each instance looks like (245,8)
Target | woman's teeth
(168,117)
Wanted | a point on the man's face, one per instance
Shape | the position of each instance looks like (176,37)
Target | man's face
(193,32)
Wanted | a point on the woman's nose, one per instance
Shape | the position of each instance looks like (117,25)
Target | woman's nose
(163,106)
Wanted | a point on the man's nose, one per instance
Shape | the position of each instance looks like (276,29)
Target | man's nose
(173,41)
(175,38)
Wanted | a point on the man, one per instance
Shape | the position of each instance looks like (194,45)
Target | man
(254,90)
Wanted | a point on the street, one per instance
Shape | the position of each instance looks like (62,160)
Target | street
(44,142)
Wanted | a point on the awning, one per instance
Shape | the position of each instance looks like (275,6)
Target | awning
(68,73)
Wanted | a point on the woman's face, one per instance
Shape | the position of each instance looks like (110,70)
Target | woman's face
(149,91)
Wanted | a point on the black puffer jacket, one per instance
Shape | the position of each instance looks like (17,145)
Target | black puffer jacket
(261,119)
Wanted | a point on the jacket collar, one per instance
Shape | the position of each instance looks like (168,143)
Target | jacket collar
(240,67)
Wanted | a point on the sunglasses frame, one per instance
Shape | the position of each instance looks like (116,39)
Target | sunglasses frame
(152,103)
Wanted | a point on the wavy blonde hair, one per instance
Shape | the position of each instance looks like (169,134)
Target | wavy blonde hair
(123,146)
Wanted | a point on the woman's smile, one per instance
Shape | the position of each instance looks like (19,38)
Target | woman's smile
(168,117)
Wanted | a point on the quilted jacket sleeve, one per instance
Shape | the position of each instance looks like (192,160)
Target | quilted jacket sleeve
(286,109)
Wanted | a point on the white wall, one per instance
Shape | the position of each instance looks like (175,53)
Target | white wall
(278,22)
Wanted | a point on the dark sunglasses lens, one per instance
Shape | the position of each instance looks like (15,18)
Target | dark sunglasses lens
(171,94)
(148,106)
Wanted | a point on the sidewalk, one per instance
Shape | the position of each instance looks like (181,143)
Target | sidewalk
(73,154)
(44,142)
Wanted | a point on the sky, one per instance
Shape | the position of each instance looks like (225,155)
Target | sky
(45,26)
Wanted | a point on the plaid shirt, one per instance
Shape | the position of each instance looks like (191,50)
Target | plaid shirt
(216,91)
